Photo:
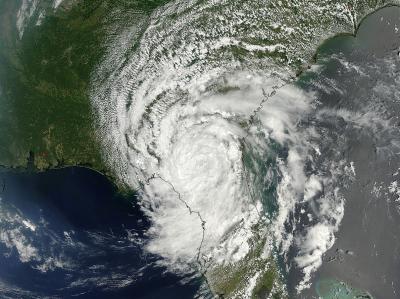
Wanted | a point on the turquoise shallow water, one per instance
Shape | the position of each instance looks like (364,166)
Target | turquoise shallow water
(333,289)
(355,72)
(66,205)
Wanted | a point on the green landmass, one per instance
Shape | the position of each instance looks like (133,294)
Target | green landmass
(231,280)
(44,77)
(45,111)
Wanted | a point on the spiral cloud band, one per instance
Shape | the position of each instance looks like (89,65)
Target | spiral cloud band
(221,149)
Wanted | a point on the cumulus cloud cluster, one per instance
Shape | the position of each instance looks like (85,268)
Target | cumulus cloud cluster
(178,123)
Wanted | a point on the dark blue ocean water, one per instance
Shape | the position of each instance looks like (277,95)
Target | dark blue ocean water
(67,233)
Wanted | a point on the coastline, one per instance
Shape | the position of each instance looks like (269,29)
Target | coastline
(104,170)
